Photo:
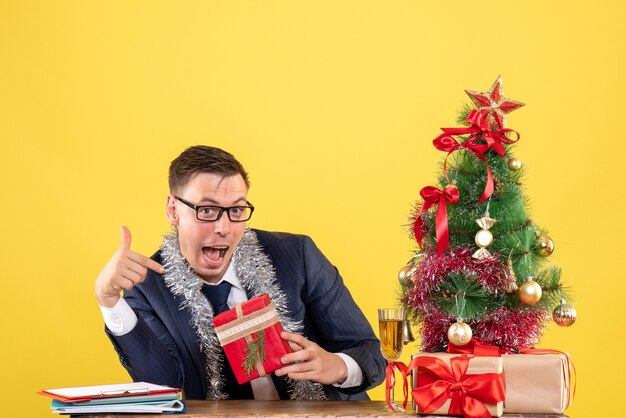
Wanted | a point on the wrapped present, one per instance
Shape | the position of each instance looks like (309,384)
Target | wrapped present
(452,384)
(250,335)
(538,382)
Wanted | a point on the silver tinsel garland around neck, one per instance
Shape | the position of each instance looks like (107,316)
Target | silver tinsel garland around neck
(257,276)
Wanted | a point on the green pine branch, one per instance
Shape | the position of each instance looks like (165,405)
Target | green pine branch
(462,296)
(552,291)
(460,120)
(255,353)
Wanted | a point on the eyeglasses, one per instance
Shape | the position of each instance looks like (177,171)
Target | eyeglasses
(214,213)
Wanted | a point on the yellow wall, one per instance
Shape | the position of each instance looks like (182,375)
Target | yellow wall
(332,106)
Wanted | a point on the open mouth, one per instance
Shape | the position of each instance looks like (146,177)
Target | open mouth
(214,255)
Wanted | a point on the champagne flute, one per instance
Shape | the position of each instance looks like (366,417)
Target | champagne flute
(391,327)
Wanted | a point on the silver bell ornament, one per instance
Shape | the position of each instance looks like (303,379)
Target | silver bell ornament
(509,275)
(407,332)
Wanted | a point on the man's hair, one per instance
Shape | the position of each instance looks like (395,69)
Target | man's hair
(202,159)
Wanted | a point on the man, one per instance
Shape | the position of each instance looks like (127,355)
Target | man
(162,328)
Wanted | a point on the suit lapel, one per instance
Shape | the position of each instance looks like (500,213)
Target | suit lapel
(181,326)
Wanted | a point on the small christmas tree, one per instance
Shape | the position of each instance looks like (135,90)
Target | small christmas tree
(481,265)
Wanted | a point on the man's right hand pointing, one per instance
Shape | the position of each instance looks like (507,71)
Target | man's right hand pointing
(125,270)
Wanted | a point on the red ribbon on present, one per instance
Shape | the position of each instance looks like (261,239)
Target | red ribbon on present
(390,382)
(476,348)
(479,129)
(571,369)
(468,393)
(433,196)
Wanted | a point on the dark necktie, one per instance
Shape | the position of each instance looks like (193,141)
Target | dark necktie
(218,297)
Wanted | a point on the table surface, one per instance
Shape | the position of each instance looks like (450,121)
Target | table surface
(311,409)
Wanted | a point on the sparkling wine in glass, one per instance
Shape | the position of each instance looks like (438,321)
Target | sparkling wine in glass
(391,326)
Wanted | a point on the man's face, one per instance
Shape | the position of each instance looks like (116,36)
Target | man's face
(208,246)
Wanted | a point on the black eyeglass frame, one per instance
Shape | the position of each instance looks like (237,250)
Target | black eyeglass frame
(221,212)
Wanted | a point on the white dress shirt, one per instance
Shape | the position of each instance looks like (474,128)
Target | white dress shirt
(121,319)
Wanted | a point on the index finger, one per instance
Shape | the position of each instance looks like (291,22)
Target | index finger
(147,262)
(296,338)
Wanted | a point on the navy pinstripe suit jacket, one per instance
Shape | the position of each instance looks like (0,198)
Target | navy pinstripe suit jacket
(163,348)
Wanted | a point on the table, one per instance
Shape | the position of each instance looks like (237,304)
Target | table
(308,409)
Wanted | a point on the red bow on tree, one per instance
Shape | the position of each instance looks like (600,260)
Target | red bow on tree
(479,129)
(433,196)
(436,383)
(449,144)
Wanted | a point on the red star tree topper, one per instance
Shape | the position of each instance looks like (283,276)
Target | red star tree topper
(493,103)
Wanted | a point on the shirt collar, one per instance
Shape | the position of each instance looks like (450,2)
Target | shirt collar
(229,276)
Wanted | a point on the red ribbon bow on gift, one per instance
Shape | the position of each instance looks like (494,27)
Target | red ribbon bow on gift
(479,129)
(433,196)
(468,394)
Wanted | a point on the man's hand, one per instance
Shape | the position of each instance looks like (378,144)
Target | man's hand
(313,362)
(125,270)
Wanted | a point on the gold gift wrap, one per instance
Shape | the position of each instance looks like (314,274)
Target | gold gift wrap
(537,383)
(477,365)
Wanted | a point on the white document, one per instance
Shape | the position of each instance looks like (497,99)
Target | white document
(106,391)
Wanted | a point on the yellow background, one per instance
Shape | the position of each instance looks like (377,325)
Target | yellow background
(331,106)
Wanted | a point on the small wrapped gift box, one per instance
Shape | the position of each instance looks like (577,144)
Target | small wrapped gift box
(250,335)
(453,384)
(538,382)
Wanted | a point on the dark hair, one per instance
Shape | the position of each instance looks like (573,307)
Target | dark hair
(202,159)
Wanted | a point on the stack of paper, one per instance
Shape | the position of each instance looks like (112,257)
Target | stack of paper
(138,397)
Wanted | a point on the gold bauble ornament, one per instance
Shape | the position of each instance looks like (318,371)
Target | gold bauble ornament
(564,315)
(514,164)
(451,185)
(405,275)
(459,333)
(529,292)
(545,245)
